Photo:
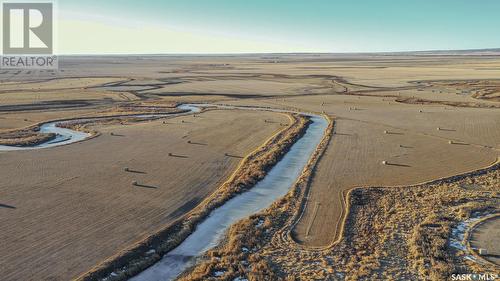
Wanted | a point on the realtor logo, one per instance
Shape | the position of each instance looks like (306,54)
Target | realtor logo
(27,28)
(28,39)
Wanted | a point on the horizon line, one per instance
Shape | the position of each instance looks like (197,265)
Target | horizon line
(495,49)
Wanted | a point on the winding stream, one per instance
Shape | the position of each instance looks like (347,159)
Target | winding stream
(208,234)
(63,136)
(275,185)
(68,136)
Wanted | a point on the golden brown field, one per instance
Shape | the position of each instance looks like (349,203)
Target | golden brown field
(75,205)
(69,208)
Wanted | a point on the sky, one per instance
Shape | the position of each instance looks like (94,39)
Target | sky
(274,26)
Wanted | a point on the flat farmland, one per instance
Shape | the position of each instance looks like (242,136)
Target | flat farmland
(369,130)
(354,158)
(419,142)
(65,209)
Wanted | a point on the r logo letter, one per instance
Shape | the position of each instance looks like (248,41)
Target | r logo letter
(35,23)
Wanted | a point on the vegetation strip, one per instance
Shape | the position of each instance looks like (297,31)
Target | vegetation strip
(247,235)
(252,168)
(28,136)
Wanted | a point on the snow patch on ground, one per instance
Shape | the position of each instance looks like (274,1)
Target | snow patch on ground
(219,273)
(457,239)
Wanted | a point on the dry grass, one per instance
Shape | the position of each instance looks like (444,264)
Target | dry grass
(151,107)
(478,89)
(390,234)
(449,103)
(24,137)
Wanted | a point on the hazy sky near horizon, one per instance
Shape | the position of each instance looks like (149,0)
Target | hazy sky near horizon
(240,26)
